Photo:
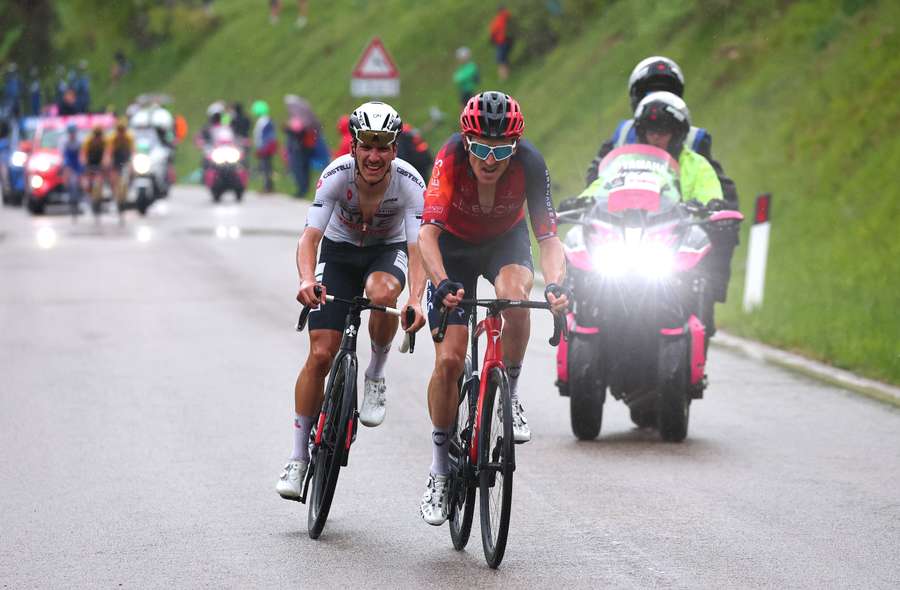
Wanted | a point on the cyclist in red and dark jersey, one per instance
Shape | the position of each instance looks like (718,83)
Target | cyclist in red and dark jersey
(473,225)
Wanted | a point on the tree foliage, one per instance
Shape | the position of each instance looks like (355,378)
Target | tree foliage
(26,31)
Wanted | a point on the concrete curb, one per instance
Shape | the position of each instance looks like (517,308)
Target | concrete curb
(816,370)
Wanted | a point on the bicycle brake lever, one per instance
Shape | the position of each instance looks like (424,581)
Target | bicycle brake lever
(409,339)
(442,327)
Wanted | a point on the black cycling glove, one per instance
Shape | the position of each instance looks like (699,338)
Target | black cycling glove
(444,288)
(556,290)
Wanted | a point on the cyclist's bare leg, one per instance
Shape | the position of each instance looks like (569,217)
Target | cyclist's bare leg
(449,363)
(308,391)
(515,282)
(383,288)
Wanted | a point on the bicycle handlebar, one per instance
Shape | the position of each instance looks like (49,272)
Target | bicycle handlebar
(560,326)
(361,302)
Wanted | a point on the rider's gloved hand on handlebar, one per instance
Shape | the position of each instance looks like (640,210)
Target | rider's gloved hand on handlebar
(557,297)
(311,293)
(418,318)
(449,293)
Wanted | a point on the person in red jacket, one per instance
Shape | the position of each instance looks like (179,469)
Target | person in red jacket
(502,40)
(343,127)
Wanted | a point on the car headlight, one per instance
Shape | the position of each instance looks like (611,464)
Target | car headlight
(18,159)
(37,182)
(42,163)
(141,163)
(225,154)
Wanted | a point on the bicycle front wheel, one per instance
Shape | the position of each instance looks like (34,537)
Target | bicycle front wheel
(328,456)
(462,485)
(497,463)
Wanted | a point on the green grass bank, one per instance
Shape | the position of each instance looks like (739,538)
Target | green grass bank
(801,99)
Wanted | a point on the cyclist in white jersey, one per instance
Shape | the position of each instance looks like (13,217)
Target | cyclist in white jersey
(366,214)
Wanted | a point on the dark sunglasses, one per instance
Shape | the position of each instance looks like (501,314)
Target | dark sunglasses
(483,151)
(376,138)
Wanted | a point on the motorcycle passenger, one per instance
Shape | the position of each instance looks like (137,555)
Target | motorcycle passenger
(366,214)
(72,167)
(119,151)
(474,224)
(92,152)
(660,73)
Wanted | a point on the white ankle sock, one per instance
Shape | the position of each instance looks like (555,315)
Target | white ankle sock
(302,427)
(514,371)
(378,360)
(440,452)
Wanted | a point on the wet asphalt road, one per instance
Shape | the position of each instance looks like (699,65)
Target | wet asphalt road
(146,408)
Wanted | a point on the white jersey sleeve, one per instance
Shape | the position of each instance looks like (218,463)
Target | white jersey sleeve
(329,190)
(413,189)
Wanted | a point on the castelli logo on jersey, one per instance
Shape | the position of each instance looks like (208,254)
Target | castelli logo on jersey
(319,184)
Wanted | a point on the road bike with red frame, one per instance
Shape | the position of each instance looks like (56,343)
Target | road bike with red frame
(482,451)
(336,428)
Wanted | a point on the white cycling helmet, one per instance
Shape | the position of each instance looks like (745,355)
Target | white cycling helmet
(216,108)
(654,74)
(375,123)
(663,111)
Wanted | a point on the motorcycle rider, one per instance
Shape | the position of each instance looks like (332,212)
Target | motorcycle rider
(658,73)
(474,224)
(663,120)
(119,150)
(366,215)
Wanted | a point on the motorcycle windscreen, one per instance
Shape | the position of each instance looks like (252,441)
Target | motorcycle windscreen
(636,177)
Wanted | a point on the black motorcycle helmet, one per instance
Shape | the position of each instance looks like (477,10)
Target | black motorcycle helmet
(663,111)
(654,74)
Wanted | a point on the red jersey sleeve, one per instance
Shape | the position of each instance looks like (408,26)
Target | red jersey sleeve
(439,193)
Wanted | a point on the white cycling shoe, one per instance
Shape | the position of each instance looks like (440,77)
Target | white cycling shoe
(521,431)
(290,484)
(435,507)
(373,407)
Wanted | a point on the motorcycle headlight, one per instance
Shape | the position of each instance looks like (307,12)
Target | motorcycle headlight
(18,159)
(225,154)
(648,259)
(141,163)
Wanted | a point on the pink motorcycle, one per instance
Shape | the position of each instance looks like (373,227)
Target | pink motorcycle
(636,270)
(225,169)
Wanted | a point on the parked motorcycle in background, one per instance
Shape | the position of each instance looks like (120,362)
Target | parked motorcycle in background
(637,274)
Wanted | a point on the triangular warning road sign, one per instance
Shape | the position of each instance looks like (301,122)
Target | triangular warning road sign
(375,63)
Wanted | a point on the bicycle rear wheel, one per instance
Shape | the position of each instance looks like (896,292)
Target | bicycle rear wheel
(327,458)
(462,487)
(496,466)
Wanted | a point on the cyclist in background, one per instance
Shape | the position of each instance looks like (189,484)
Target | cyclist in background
(119,150)
(92,152)
(70,148)
(366,215)
(474,224)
